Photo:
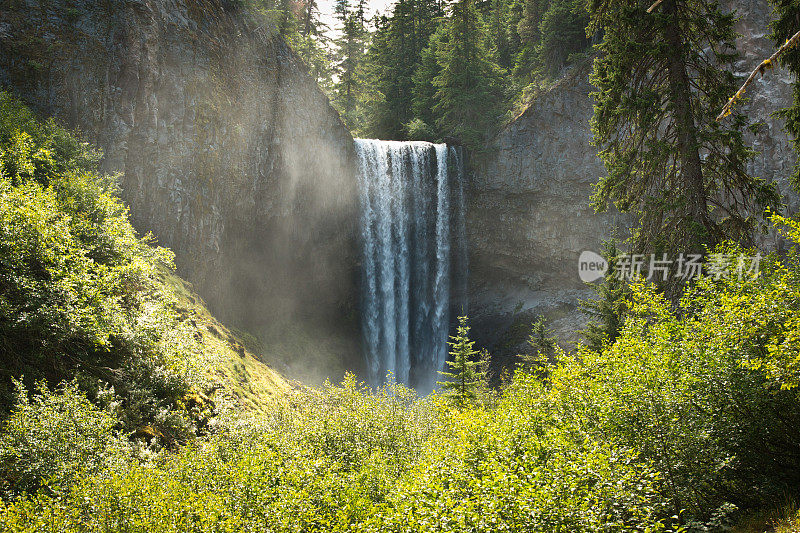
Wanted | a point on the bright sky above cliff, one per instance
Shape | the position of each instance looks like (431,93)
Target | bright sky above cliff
(326,10)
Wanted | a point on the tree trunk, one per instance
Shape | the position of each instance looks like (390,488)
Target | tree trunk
(691,170)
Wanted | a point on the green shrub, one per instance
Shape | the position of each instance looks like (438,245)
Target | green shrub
(519,468)
(689,415)
(680,388)
(81,295)
(347,459)
(53,438)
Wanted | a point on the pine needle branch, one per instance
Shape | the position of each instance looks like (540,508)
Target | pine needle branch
(766,64)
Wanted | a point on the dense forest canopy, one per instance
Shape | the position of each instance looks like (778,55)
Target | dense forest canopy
(430,70)
(417,71)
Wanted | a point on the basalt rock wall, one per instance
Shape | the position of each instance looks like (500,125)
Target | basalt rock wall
(228,151)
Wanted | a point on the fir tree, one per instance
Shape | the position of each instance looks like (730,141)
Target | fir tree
(500,32)
(350,48)
(528,27)
(661,79)
(543,347)
(465,376)
(528,31)
(607,310)
(424,90)
(312,45)
(395,56)
(469,84)
(562,33)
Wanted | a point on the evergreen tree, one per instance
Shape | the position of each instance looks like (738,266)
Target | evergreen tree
(500,32)
(312,45)
(395,55)
(465,376)
(516,11)
(528,27)
(275,16)
(661,78)
(424,89)
(562,33)
(469,83)
(485,366)
(785,26)
(300,25)
(350,48)
(607,310)
(528,31)
(543,347)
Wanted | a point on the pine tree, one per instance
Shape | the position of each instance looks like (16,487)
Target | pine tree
(528,31)
(785,26)
(516,10)
(562,33)
(661,79)
(465,376)
(424,89)
(275,15)
(469,84)
(500,32)
(532,13)
(312,45)
(607,310)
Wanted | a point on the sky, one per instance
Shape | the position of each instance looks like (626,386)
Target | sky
(326,10)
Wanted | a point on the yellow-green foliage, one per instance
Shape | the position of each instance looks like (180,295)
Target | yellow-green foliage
(705,391)
(49,440)
(81,295)
(344,459)
(688,417)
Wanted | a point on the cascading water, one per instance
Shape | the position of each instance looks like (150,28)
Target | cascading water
(414,262)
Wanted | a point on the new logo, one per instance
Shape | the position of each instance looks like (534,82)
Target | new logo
(591,266)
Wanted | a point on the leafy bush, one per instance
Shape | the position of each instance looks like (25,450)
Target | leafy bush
(81,294)
(53,438)
(687,416)
(519,468)
(683,389)
(671,426)
(346,459)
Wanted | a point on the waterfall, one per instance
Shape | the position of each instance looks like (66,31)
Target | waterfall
(414,256)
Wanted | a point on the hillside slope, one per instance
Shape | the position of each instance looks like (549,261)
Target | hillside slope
(85,300)
(238,366)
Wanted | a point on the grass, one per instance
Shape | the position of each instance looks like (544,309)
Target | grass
(785,519)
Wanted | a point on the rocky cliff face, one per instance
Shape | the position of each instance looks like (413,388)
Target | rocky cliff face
(229,152)
(776,158)
(529,213)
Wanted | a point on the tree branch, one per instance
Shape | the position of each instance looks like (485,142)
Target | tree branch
(655,5)
(766,64)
